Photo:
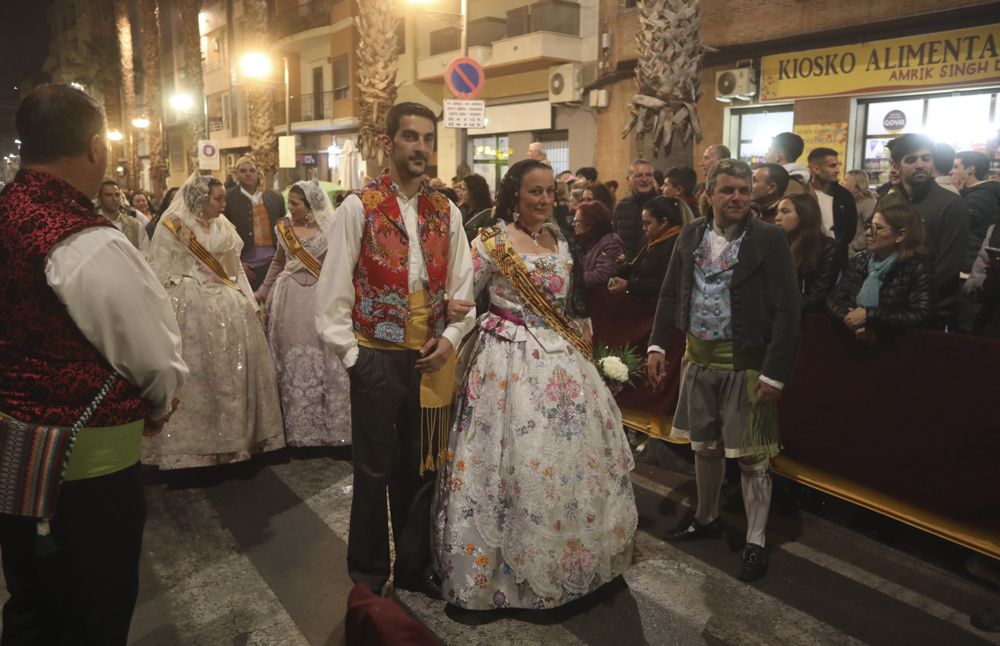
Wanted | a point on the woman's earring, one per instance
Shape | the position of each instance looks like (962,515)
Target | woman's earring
(517,215)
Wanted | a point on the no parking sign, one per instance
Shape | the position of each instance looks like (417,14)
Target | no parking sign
(464,77)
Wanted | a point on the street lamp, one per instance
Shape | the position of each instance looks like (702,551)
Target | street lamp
(256,65)
(140,122)
(181,102)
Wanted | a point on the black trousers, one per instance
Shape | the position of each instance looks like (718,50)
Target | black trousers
(385,430)
(83,592)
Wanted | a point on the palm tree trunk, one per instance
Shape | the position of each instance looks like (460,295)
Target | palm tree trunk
(123,27)
(260,98)
(668,72)
(149,27)
(194,84)
(378,60)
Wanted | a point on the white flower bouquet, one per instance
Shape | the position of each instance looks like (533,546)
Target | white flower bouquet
(618,367)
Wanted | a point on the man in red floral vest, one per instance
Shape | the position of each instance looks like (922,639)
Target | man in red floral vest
(397,252)
(68,320)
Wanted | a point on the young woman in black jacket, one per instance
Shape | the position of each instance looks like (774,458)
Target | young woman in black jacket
(889,287)
(819,259)
(642,277)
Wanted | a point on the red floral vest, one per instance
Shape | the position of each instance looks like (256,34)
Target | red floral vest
(381,289)
(48,370)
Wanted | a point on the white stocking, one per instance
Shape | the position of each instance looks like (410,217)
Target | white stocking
(755,478)
(709,469)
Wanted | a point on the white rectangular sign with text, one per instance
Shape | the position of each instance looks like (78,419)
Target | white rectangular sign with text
(464,114)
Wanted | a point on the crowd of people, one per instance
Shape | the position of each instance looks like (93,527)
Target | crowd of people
(445,334)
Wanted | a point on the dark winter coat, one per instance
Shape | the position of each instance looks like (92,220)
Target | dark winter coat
(946,225)
(905,299)
(645,275)
(983,201)
(817,284)
(763,294)
(627,220)
(599,260)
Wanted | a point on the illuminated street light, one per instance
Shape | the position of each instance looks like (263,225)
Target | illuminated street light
(181,102)
(114,135)
(140,122)
(255,65)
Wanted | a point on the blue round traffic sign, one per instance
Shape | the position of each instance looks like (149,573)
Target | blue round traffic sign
(464,77)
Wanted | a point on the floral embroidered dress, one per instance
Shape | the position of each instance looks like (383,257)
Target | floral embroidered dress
(534,506)
(315,389)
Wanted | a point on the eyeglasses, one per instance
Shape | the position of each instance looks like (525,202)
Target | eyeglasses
(876,229)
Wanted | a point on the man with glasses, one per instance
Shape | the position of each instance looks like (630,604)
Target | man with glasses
(731,288)
(627,218)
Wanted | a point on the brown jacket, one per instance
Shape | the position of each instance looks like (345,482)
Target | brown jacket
(764,297)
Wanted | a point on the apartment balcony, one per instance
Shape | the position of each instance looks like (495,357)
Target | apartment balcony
(318,112)
(307,26)
(532,37)
(215,77)
(307,15)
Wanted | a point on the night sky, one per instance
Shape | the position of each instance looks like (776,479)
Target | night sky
(24,44)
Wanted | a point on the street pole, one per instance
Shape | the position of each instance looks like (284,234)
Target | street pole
(462,138)
(288,114)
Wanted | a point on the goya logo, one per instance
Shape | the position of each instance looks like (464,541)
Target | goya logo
(894,121)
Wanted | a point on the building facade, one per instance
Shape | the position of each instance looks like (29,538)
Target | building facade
(848,77)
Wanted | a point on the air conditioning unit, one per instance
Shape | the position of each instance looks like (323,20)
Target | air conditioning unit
(739,83)
(566,83)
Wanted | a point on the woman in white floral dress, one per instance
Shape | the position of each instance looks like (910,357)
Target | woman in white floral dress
(314,386)
(534,505)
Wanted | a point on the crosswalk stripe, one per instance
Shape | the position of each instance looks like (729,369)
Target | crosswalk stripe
(889,588)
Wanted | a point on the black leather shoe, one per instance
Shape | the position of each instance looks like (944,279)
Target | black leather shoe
(987,619)
(693,530)
(429,586)
(754,563)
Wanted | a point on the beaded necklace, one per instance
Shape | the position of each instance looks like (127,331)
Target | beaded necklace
(534,235)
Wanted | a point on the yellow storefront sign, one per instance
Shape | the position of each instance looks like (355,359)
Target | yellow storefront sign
(962,57)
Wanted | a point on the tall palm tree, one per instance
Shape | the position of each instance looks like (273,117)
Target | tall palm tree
(123,28)
(149,29)
(260,98)
(194,84)
(378,60)
(668,72)
(93,65)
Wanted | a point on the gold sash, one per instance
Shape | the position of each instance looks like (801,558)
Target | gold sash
(293,244)
(437,389)
(516,272)
(187,238)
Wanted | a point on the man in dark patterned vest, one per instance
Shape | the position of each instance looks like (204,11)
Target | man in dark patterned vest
(397,251)
(67,321)
(254,212)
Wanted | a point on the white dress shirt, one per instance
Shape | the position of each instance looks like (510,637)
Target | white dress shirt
(335,291)
(120,307)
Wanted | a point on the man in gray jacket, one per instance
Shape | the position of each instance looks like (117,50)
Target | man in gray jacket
(731,288)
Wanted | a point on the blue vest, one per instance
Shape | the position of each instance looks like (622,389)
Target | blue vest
(711,307)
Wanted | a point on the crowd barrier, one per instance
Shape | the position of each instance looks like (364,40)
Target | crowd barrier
(909,428)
